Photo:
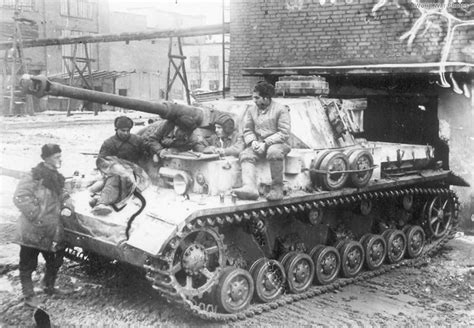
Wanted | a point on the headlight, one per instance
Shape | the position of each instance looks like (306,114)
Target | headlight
(182,183)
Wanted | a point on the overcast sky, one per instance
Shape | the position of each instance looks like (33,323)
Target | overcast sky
(212,9)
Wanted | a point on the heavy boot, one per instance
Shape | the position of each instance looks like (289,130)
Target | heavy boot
(27,289)
(276,170)
(48,281)
(249,180)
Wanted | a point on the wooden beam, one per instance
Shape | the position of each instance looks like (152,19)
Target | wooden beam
(133,36)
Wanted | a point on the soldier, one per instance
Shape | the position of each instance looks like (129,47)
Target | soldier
(226,141)
(41,198)
(123,145)
(266,135)
(165,137)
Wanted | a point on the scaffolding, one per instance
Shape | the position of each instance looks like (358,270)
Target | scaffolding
(75,64)
(14,66)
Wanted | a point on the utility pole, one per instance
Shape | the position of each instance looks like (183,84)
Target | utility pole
(223,49)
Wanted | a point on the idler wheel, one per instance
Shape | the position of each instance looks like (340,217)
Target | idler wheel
(415,240)
(375,249)
(299,270)
(396,245)
(235,290)
(439,214)
(327,263)
(269,279)
(352,258)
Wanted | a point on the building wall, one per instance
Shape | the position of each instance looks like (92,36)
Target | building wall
(148,58)
(140,85)
(204,65)
(52,20)
(304,33)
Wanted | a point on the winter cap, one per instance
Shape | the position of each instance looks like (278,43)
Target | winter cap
(264,89)
(49,150)
(123,122)
(226,121)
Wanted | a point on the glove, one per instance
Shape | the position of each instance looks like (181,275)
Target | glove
(156,158)
(66,212)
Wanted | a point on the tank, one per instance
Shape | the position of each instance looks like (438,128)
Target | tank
(353,209)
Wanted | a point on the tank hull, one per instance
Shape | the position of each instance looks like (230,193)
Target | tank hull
(167,214)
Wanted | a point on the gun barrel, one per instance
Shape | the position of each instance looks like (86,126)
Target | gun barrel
(187,117)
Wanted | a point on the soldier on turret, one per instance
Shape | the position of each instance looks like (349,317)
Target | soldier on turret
(266,135)
(226,141)
(165,137)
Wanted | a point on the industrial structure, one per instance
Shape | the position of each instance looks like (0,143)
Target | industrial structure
(83,29)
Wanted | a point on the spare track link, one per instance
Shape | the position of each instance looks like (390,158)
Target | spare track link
(208,311)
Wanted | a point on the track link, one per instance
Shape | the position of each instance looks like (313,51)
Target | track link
(209,311)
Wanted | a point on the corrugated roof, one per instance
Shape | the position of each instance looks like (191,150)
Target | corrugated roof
(95,75)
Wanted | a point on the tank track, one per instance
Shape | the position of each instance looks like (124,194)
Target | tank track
(162,281)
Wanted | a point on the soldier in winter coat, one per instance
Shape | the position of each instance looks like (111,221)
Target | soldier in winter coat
(41,198)
(122,145)
(266,135)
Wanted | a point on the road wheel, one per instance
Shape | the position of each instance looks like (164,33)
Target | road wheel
(269,279)
(375,250)
(327,263)
(235,290)
(396,245)
(299,270)
(415,240)
(352,258)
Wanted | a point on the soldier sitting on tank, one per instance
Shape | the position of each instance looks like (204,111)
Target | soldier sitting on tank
(266,135)
(120,179)
(226,141)
(122,145)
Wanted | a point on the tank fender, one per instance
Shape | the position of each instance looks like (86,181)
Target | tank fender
(455,180)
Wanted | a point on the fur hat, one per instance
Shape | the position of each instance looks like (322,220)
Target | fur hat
(227,123)
(123,122)
(49,150)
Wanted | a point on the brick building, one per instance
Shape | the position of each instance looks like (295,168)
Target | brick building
(357,47)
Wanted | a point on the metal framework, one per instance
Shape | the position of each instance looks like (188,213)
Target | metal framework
(72,64)
(179,69)
(14,57)
(77,64)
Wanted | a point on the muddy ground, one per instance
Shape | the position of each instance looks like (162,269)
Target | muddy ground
(438,293)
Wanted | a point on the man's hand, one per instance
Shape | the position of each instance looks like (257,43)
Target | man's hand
(220,151)
(209,150)
(260,148)
(156,158)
